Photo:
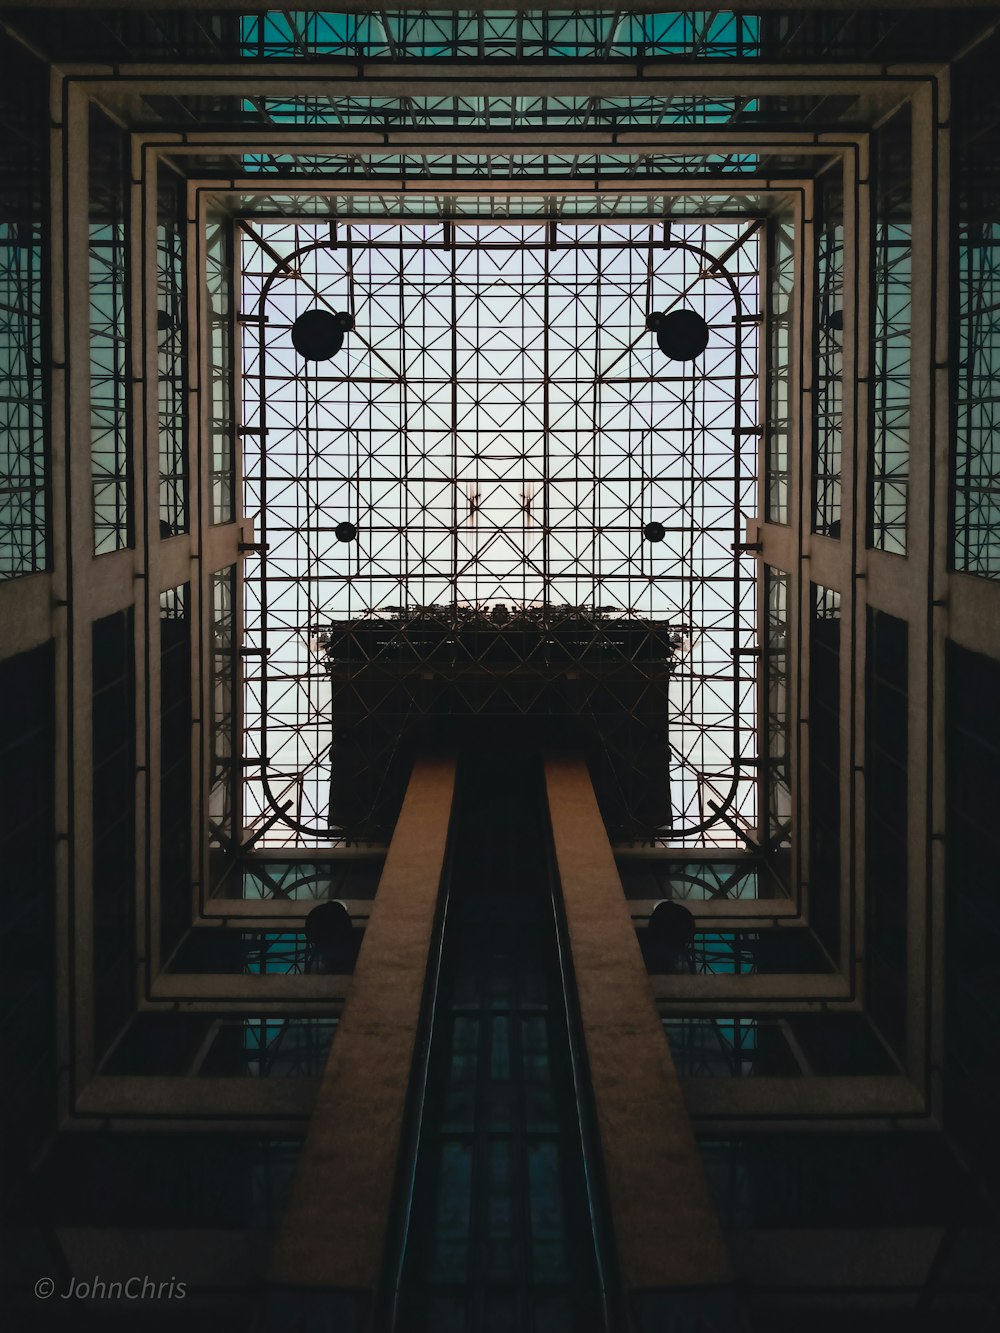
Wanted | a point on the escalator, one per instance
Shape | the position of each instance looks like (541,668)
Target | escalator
(498,1217)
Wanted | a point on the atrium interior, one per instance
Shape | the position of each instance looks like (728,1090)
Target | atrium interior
(500,659)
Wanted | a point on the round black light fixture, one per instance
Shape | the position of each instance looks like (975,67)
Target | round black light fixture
(165,322)
(330,943)
(670,935)
(682,335)
(328,926)
(345,532)
(672,925)
(835,321)
(318,335)
(654,532)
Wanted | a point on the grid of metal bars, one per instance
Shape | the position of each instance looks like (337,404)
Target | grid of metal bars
(505,34)
(171,322)
(781,286)
(109,335)
(976,241)
(23,262)
(892,287)
(828,397)
(500,427)
(223,771)
(776,659)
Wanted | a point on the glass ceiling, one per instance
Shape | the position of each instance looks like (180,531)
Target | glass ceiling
(500,427)
(504,34)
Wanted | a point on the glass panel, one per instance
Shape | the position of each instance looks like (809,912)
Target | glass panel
(222,783)
(977,462)
(890,466)
(975,144)
(499,34)
(171,341)
(219,283)
(781,284)
(269,1048)
(485,112)
(729,1048)
(779,798)
(829,335)
(23,398)
(499,428)
(659,877)
(500,166)
(343,878)
(109,318)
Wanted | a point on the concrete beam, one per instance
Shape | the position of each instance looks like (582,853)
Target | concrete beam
(333,1232)
(666,1229)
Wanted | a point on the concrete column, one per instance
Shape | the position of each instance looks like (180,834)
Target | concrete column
(333,1232)
(667,1233)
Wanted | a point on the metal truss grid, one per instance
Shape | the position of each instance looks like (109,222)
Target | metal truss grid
(500,427)
(511,34)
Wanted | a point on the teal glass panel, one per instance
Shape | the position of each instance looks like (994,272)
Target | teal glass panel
(714,1047)
(297,880)
(656,877)
(500,34)
(495,112)
(268,1048)
(499,166)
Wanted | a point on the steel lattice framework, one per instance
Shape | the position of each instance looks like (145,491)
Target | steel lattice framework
(500,427)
